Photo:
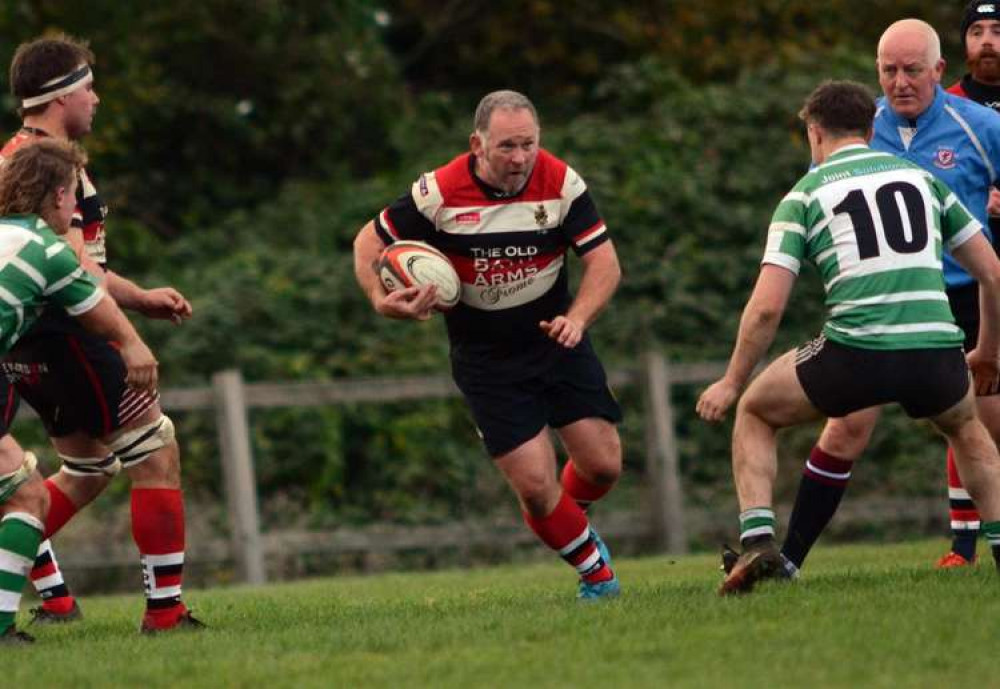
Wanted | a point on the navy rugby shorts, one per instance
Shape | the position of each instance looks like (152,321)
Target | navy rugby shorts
(9,402)
(509,413)
(839,380)
(964,303)
(76,383)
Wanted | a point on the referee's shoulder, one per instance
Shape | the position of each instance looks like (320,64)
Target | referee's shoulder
(973,111)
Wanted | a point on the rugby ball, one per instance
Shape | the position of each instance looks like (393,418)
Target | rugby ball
(410,264)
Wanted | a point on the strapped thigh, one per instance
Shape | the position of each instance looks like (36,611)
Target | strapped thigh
(136,445)
(90,466)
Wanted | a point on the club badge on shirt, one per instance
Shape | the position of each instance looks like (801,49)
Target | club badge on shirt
(541,216)
(945,158)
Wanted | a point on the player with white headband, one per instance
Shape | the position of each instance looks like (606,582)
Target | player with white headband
(61,86)
(74,380)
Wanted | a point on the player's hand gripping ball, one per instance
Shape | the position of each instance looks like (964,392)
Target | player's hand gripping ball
(411,264)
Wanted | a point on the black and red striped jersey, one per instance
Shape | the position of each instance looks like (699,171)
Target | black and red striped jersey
(90,211)
(984,94)
(508,250)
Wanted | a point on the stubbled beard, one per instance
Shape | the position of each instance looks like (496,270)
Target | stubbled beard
(75,131)
(985,71)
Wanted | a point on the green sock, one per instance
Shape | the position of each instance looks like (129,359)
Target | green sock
(20,535)
(756,523)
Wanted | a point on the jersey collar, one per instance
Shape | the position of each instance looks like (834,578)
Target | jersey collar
(31,221)
(34,131)
(845,152)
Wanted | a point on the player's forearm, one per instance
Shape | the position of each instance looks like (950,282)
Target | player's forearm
(592,297)
(599,281)
(367,248)
(107,320)
(758,327)
(128,294)
(759,322)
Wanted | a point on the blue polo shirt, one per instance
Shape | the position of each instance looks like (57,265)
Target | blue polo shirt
(956,140)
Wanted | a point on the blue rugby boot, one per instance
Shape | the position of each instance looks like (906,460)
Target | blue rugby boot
(591,592)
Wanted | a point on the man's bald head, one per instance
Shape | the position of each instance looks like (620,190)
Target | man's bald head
(909,66)
(912,32)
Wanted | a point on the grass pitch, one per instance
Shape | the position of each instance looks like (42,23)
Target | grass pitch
(861,616)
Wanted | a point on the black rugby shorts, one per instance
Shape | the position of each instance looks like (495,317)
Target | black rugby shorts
(9,402)
(76,383)
(509,413)
(964,302)
(839,380)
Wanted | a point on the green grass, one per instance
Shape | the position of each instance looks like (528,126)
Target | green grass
(861,616)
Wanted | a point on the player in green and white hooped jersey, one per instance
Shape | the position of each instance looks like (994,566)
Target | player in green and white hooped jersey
(874,226)
(876,299)
(37,200)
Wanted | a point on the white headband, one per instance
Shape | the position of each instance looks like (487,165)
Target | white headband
(60,86)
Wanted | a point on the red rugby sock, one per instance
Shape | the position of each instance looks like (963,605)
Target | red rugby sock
(567,531)
(61,509)
(158,531)
(584,492)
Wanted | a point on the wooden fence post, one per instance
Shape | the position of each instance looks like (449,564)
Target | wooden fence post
(662,467)
(238,473)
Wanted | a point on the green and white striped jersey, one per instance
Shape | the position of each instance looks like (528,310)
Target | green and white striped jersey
(873,225)
(38,268)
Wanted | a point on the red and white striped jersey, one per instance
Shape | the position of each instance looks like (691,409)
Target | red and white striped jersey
(508,249)
(90,210)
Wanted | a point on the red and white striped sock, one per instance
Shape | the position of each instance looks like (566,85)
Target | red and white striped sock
(48,581)
(580,489)
(963,513)
(158,531)
(567,531)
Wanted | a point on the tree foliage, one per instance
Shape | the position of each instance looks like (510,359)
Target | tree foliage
(210,105)
(688,212)
(546,48)
(241,144)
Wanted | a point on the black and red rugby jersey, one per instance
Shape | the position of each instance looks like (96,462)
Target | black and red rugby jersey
(984,94)
(89,217)
(90,210)
(508,249)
